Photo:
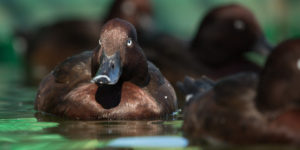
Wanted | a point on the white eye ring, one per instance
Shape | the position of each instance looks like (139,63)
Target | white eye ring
(100,42)
(129,42)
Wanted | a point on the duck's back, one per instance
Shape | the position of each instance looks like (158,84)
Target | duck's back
(160,89)
(67,75)
(74,69)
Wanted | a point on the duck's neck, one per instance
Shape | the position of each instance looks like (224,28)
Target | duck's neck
(109,96)
(95,60)
(136,67)
(274,90)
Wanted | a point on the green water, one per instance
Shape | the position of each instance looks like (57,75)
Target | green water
(21,127)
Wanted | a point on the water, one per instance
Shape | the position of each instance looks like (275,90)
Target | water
(21,127)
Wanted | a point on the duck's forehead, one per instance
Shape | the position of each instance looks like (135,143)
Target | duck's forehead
(114,34)
(113,40)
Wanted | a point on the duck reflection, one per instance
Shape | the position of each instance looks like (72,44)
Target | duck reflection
(105,130)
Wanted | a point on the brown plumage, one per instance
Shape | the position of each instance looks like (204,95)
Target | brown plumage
(115,81)
(278,97)
(226,33)
(244,109)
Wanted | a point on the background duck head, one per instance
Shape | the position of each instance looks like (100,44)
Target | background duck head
(280,78)
(225,34)
(137,12)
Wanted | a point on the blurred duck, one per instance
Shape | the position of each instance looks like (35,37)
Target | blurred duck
(243,109)
(278,96)
(227,36)
(137,12)
(52,44)
(115,81)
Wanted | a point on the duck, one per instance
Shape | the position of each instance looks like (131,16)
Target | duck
(114,81)
(226,38)
(247,108)
(65,38)
(278,98)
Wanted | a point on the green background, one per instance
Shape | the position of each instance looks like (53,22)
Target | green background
(20,128)
(278,18)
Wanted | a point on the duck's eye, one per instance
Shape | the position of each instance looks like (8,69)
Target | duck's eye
(100,42)
(129,42)
(298,64)
(239,25)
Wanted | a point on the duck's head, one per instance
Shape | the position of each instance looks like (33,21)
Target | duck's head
(280,79)
(118,56)
(226,33)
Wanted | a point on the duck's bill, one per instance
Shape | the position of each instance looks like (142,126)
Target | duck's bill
(109,71)
(259,53)
(262,47)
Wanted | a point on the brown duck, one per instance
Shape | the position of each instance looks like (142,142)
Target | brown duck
(245,109)
(114,81)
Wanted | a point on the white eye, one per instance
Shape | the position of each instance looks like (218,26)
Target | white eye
(298,64)
(129,42)
(239,25)
(99,42)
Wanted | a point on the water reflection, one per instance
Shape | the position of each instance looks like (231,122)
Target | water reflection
(153,142)
(16,100)
(106,130)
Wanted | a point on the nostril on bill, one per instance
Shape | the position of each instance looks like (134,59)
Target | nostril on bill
(112,65)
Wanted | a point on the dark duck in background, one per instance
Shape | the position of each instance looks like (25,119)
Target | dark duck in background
(245,109)
(225,38)
(224,44)
(115,81)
